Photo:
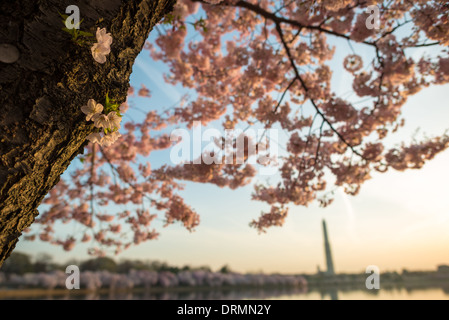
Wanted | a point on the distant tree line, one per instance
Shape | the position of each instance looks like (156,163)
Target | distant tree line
(21,271)
(21,263)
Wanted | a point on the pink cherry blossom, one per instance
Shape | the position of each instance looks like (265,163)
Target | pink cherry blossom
(101,121)
(99,52)
(144,92)
(91,109)
(114,120)
(103,46)
(103,37)
(94,137)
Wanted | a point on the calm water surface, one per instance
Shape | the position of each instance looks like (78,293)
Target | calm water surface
(381,294)
(397,293)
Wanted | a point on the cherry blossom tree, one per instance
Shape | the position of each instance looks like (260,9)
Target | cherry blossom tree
(264,63)
(47,72)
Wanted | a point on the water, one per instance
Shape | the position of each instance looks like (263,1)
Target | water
(394,293)
(381,294)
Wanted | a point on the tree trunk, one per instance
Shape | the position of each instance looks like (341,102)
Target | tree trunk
(42,127)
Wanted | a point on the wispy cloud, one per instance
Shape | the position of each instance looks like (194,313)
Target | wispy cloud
(156,78)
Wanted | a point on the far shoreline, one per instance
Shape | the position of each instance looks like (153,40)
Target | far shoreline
(41,293)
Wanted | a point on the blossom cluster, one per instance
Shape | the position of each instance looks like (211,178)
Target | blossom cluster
(109,123)
(248,72)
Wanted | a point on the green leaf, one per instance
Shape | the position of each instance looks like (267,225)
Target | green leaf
(69,31)
(80,42)
(86,34)
(168,19)
(64,16)
(78,24)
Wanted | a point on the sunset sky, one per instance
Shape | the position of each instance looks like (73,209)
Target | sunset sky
(398,220)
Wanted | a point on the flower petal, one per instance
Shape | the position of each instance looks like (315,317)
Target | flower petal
(94,137)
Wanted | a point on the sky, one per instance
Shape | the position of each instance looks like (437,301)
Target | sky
(398,220)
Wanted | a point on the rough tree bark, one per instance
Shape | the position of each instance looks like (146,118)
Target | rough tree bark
(41,125)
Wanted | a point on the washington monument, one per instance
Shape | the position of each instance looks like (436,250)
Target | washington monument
(327,249)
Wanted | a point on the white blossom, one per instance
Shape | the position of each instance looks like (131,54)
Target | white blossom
(95,137)
(101,121)
(110,138)
(103,37)
(114,120)
(99,52)
(91,109)
(103,46)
